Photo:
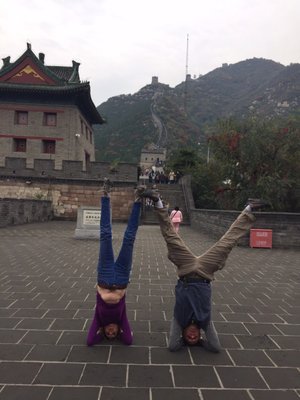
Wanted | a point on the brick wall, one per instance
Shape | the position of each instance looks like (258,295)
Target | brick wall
(285,226)
(22,211)
(69,187)
(67,196)
(45,169)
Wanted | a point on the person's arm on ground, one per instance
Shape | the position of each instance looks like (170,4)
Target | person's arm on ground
(125,330)
(95,334)
(175,338)
(212,342)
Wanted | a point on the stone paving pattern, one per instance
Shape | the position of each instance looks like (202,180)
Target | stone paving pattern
(47,296)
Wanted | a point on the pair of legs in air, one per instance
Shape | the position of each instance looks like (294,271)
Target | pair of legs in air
(197,272)
(110,319)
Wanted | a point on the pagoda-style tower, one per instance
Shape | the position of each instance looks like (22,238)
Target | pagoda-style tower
(46,112)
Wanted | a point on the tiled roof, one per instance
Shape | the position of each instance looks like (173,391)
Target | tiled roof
(68,74)
(64,73)
(60,74)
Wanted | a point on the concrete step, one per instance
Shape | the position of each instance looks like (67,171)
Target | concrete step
(174,196)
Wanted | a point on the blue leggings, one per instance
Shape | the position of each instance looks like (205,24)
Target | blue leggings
(117,272)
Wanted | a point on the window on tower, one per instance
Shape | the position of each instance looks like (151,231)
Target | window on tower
(19,145)
(21,117)
(50,119)
(49,146)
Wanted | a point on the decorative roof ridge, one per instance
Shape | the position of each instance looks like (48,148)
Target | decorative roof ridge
(75,74)
(60,66)
(8,66)
(6,62)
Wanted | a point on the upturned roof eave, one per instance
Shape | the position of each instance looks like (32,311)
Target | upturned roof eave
(81,89)
(45,88)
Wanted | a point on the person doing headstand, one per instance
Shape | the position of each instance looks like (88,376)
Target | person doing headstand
(192,310)
(110,319)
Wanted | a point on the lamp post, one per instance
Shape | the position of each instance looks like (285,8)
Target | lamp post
(208,149)
(208,153)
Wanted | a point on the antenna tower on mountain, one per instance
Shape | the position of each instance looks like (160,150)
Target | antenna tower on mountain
(186,71)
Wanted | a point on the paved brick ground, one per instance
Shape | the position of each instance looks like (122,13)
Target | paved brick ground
(47,294)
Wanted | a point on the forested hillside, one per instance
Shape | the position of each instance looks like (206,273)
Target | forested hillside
(180,116)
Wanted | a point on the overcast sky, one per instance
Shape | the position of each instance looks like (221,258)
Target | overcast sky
(121,44)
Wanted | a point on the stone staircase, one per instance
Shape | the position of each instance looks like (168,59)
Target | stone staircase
(172,194)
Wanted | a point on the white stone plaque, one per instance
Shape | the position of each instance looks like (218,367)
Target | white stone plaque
(88,223)
(91,217)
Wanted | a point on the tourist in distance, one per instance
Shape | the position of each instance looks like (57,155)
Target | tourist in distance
(192,310)
(176,218)
(110,319)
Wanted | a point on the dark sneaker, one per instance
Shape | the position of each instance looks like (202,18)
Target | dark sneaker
(257,204)
(139,192)
(151,194)
(107,185)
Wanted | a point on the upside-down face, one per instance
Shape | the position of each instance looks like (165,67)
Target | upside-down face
(111,331)
(192,334)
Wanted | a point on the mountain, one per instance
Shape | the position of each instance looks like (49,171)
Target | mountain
(174,117)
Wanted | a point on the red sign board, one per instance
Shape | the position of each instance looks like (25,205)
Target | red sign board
(261,238)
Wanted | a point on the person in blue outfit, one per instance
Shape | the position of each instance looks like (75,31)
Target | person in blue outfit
(110,319)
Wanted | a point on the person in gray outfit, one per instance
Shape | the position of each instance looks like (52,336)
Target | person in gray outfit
(192,310)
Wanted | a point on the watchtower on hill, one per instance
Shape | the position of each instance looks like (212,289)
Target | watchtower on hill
(152,156)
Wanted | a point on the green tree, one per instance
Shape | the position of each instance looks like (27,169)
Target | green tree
(205,184)
(249,158)
(185,160)
(258,158)
(205,176)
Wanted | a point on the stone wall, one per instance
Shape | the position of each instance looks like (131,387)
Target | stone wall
(285,226)
(69,187)
(64,196)
(185,181)
(67,196)
(173,195)
(22,211)
(45,169)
